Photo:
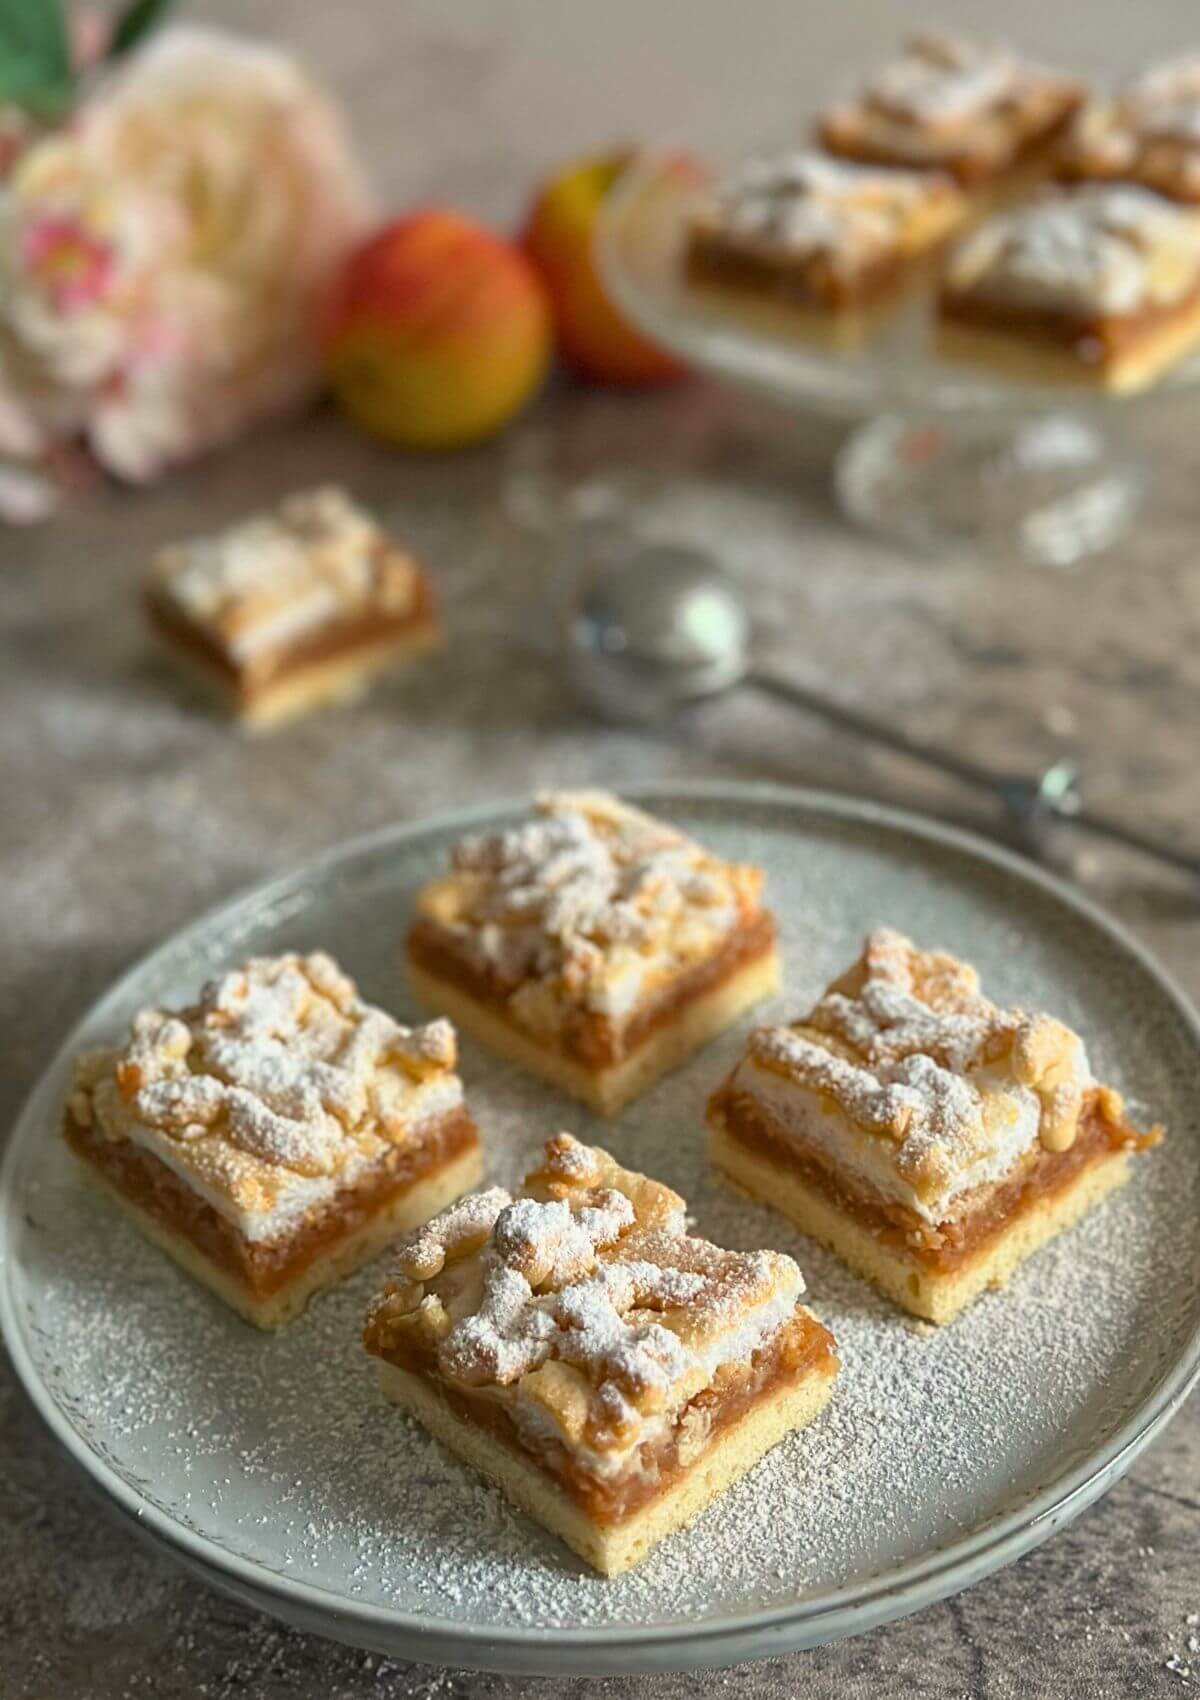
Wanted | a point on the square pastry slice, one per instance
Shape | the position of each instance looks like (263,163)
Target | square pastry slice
(1149,134)
(929,1138)
(289,609)
(595,946)
(972,108)
(611,1372)
(1098,285)
(276,1134)
(831,244)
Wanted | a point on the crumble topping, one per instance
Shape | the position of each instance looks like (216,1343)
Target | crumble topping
(1165,101)
(945,80)
(273,577)
(946,1085)
(583,1302)
(591,905)
(805,205)
(1101,249)
(947,94)
(455,1233)
(1150,134)
(274,1087)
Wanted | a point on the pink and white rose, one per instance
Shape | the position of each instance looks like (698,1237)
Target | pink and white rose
(160,259)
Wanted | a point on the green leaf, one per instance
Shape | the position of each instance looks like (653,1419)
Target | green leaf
(49,102)
(134,22)
(35,63)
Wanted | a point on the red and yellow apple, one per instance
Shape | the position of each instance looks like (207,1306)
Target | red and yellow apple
(594,339)
(437,331)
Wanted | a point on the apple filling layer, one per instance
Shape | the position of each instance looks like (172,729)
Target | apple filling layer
(264,1267)
(983,1213)
(339,640)
(590,1038)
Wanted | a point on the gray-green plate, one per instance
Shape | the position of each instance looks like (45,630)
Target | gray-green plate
(273,1468)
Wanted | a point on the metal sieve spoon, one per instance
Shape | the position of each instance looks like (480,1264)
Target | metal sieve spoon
(666,627)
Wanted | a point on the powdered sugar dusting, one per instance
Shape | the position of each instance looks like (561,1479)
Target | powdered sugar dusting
(885,1107)
(800,205)
(272,577)
(908,1049)
(423,1251)
(282,1450)
(947,80)
(600,1276)
(1149,134)
(947,96)
(1109,248)
(279,1074)
(584,906)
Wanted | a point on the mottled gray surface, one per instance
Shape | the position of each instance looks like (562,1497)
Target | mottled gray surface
(125,809)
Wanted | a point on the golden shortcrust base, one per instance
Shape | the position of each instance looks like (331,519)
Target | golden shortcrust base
(340,678)
(414,1205)
(1034,361)
(936,1297)
(606,1090)
(844,331)
(613,1548)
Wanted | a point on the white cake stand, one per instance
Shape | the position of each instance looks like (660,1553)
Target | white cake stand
(941,455)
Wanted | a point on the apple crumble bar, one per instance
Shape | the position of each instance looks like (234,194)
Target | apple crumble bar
(831,244)
(1149,134)
(1098,285)
(933,1140)
(276,1134)
(610,1371)
(594,945)
(974,109)
(292,608)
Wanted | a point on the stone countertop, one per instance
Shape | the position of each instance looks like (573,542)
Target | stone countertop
(128,809)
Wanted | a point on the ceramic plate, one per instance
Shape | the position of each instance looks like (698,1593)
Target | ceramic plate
(272,1466)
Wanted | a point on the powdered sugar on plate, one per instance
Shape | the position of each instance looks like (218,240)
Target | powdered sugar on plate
(281,1451)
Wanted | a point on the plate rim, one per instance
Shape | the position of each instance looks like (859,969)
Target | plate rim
(830,1615)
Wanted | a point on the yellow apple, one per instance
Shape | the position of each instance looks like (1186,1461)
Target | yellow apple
(594,339)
